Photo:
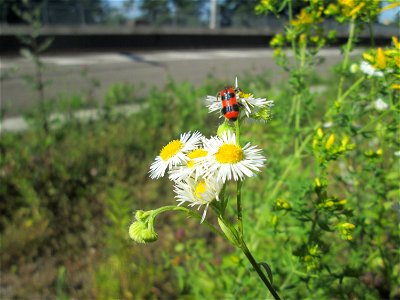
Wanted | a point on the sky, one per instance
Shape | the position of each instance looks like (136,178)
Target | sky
(386,16)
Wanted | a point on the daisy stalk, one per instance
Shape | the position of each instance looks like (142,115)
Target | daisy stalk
(242,245)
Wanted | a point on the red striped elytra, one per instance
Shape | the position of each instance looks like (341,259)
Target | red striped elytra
(230,106)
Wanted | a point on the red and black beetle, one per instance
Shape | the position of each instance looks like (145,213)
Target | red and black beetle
(230,106)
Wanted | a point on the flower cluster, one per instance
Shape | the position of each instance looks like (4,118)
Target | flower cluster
(326,148)
(199,167)
(383,63)
(364,10)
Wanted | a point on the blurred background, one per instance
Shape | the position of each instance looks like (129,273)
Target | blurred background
(90,91)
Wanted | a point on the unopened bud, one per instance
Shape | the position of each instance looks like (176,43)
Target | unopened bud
(346,230)
(283,204)
(320,133)
(330,141)
(143,233)
(224,128)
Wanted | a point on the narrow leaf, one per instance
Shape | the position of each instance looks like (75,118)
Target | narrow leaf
(267,269)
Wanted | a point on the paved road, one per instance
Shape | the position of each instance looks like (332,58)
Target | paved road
(143,69)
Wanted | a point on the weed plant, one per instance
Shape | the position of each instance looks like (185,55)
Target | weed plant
(323,213)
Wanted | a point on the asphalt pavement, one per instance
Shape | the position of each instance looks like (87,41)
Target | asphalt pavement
(145,70)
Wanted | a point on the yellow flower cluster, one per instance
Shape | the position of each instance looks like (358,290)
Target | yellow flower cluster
(326,148)
(386,60)
(343,10)
(306,18)
(346,231)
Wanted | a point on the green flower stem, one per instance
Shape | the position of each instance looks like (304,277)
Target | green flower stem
(375,120)
(237,129)
(313,226)
(347,50)
(239,207)
(371,34)
(189,212)
(350,89)
(292,161)
(237,240)
(259,271)
(239,186)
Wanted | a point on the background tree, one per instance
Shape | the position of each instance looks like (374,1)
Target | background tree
(189,12)
(156,12)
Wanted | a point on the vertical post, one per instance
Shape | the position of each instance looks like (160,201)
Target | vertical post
(213,14)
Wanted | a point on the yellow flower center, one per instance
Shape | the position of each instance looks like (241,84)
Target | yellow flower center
(200,189)
(245,95)
(195,154)
(229,154)
(171,149)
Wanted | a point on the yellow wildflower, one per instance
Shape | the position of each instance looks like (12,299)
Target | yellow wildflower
(368,57)
(320,133)
(303,18)
(355,10)
(330,141)
(395,41)
(390,6)
(395,86)
(332,9)
(380,59)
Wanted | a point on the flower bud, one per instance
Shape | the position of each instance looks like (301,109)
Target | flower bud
(380,59)
(317,183)
(141,215)
(277,41)
(330,141)
(354,68)
(346,230)
(282,204)
(225,127)
(263,114)
(274,220)
(320,133)
(143,233)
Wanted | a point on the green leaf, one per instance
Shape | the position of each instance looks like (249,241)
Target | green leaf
(283,5)
(45,45)
(267,269)
(230,232)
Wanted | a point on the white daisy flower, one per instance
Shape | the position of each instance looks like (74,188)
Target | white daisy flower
(174,153)
(213,104)
(198,192)
(252,104)
(257,108)
(190,167)
(369,70)
(228,161)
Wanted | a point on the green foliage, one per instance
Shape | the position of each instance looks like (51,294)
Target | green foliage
(323,214)
(71,198)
